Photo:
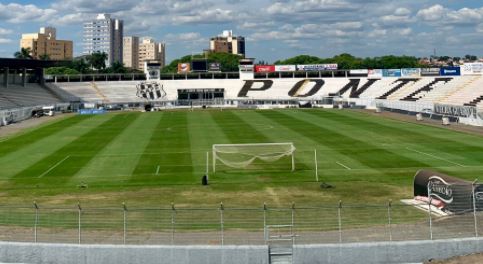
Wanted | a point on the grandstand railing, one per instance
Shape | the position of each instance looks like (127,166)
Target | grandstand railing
(198,75)
(224,225)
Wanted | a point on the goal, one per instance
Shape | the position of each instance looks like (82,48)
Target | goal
(241,156)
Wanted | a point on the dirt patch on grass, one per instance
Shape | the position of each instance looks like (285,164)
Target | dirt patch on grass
(16,128)
(474,258)
(426,121)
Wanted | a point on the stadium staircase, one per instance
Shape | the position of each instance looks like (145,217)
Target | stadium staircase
(391,91)
(280,241)
(427,88)
(99,92)
(469,91)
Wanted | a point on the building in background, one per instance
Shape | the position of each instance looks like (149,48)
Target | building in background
(45,45)
(227,43)
(152,52)
(104,34)
(130,52)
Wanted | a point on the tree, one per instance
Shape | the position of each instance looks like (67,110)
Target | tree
(24,53)
(44,57)
(228,62)
(116,67)
(97,60)
(60,71)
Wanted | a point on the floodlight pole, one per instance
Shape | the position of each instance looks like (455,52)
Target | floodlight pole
(316,166)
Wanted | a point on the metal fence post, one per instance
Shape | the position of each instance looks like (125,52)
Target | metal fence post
(222,224)
(79,233)
(474,207)
(265,222)
(389,219)
(339,217)
(124,214)
(429,212)
(36,221)
(293,223)
(173,222)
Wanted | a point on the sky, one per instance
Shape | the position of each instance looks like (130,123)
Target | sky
(274,29)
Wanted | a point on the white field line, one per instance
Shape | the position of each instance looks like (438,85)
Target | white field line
(347,167)
(53,167)
(157,170)
(436,157)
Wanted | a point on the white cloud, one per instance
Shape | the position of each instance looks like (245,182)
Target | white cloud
(433,13)
(5,41)
(4,31)
(17,13)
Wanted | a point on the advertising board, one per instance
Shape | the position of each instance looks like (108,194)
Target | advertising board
(374,73)
(450,71)
(430,71)
(264,68)
(391,72)
(184,67)
(411,72)
(359,72)
(317,67)
(214,67)
(472,69)
(285,68)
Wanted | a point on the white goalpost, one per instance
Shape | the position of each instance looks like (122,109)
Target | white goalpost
(240,156)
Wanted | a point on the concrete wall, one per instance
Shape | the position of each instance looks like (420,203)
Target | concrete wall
(386,252)
(377,252)
(109,254)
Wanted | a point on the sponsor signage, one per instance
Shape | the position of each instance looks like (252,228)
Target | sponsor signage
(264,68)
(246,68)
(450,71)
(455,195)
(359,72)
(472,69)
(391,72)
(317,67)
(374,73)
(411,72)
(285,68)
(91,111)
(184,67)
(214,67)
(430,72)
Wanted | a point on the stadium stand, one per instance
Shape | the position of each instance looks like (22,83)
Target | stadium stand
(467,93)
(15,96)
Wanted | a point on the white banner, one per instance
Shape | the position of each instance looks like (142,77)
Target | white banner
(411,72)
(361,72)
(285,68)
(472,69)
(374,73)
(317,67)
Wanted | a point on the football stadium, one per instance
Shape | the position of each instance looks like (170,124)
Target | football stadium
(271,164)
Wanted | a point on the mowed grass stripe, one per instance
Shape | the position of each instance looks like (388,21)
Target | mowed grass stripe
(327,159)
(17,142)
(364,152)
(203,132)
(19,160)
(446,143)
(172,143)
(118,159)
(86,147)
(238,131)
(377,136)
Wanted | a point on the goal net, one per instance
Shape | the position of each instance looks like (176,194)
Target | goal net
(241,156)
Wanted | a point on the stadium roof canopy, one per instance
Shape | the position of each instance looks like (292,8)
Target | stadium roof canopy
(25,63)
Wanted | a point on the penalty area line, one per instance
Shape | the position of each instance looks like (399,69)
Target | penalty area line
(436,157)
(346,167)
(53,167)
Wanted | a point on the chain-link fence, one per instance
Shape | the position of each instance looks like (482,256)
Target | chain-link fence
(223,225)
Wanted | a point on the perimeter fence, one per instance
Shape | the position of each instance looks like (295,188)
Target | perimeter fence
(223,225)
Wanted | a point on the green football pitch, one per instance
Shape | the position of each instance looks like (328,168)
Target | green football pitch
(158,158)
